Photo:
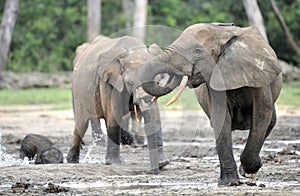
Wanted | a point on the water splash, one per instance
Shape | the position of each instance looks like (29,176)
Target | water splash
(7,159)
(93,154)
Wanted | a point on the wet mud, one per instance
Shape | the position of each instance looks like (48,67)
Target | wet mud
(188,142)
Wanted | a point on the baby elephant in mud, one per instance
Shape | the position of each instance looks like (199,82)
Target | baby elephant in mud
(105,85)
(41,147)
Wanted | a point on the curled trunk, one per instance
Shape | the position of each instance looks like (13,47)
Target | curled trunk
(160,66)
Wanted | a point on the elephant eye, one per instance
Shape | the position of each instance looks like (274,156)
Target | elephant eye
(197,52)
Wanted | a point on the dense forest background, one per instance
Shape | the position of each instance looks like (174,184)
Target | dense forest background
(47,32)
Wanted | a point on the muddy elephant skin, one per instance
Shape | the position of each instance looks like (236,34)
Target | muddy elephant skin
(105,84)
(42,148)
(240,80)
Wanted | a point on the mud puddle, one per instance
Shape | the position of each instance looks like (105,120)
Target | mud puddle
(190,147)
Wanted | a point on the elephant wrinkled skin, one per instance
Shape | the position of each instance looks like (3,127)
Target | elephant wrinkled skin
(105,85)
(240,80)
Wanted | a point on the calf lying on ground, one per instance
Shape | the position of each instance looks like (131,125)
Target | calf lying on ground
(41,147)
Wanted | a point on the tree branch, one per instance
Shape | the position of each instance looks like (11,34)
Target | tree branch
(286,31)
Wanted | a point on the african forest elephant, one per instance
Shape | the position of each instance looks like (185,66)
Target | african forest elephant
(240,81)
(40,147)
(105,85)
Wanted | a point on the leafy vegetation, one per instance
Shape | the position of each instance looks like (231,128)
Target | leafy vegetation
(47,32)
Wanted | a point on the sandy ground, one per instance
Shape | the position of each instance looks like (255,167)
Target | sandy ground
(189,145)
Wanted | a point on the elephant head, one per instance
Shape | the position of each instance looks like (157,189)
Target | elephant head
(117,61)
(223,56)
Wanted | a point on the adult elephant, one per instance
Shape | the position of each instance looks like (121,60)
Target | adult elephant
(240,80)
(105,84)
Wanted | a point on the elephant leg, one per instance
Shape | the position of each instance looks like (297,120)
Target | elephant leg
(228,169)
(97,132)
(126,136)
(78,134)
(151,133)
(272,124)
(152,122)
(137,129)
(113,146)
(162,160)
(261,126)
(221,121)
(113,141)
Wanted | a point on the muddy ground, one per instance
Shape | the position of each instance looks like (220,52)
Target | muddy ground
(189,145)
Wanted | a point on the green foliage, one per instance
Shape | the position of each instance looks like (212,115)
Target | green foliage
(290,11)
(46,35)
(47,32)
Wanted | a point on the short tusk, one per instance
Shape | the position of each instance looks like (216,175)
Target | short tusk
(179,91)
(154,99)
(136,114)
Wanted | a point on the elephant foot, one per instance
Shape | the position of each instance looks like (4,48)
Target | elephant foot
(73,157)
(246,175)
(229,178)
(249,165)
(155,171)
(229,183)
(114,160)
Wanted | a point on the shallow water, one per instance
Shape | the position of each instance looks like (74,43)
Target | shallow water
(7,159)
(138,185)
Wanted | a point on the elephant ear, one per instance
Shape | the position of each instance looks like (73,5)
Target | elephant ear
(154,49)
(110,69)
(245,60)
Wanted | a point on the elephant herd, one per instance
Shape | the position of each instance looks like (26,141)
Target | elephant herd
(233,70)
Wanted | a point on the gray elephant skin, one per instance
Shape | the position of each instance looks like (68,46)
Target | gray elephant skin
(40,147)
(238,79)
(105,84)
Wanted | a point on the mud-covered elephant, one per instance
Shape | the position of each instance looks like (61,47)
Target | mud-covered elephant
(41,148)
(240,81)
(105,85)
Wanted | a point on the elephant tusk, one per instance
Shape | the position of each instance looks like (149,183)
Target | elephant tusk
(154,99)
(136,114)
(179,91)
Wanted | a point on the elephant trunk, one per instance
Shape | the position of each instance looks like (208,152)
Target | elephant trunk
(160,66)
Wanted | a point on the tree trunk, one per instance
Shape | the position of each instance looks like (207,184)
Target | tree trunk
(128,10)
(255,17)
(139,21)
(285,29)
(9,19)
(93,19)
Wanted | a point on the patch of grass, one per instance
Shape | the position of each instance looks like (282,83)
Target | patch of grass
(187,101)
(61,98)
(35,96)
(290,94)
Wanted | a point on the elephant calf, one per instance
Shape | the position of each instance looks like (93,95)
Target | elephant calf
(41,147)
